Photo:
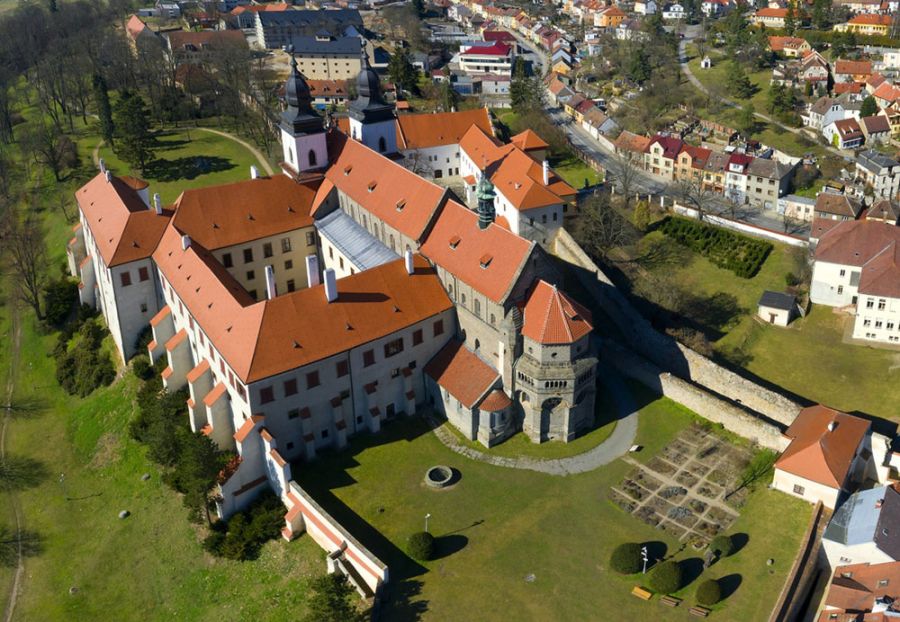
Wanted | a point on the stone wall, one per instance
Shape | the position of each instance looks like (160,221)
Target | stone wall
(665,352)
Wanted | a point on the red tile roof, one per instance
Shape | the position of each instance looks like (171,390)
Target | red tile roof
(122,225)
(135,27)
(871,19)
(856,242)
(635,143)
(498,35)
(508,252)
(671,145)
(551,317)
(260,8)
(419,131)
(495,401)
(768,12)
(881,275)
(818,453)
(779,44)
(495,49)
(853,67)
(465,376)
(855,587)
(528,140)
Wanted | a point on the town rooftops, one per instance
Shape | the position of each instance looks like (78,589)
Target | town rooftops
(881,274)
(465,376)
(777,300)
(823,445)
(352,241)
(124,228)
(772,12)
(870,19)
(821,105)
(848,128)
(779,44)
(135,27)
(311,18)
(528,140)
(490,260)
(873,161)
(770,169)
(260,8)
(853,67)
(496,48)
(228,214)
(857,586)
(321,46)
(884,209)
(875,124)
(838,204)
(420,131)
(499,35)
(670,145)
(855,243)
(552,318)
(868,516)
(634,143)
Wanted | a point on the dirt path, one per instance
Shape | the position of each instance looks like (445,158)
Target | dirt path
(256,152)
(15,343)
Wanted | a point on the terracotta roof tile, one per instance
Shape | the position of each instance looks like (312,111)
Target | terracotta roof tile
(458,370)
(853,67)
(420,131)
(495,401)
(855,587)
(528,140)
(551,317)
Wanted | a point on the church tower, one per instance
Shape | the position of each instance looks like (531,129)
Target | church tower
(485,194)
(302,128)
(372,120)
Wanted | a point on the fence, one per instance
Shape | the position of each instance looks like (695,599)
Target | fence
(743,227)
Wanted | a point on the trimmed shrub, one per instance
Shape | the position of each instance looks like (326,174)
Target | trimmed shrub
(141,367)
(421,546)
(626,558)
(59,299)
(83,365)
(666,578)
(722,545)
(709,592)
(741,254)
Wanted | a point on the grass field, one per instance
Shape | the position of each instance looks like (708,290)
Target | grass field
(541,542)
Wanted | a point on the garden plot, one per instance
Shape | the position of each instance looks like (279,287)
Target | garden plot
(691,490)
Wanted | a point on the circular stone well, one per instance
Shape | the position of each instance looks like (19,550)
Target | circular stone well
(438,476)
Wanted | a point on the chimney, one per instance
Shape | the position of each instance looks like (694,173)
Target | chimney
(102,165)
(408,257)
(185,242)
(312,270)
(254,172)
(331,292)
(546,173)
(271,290)
(157,203)
(832,425)
(108,177)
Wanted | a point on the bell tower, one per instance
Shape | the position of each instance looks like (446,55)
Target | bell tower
(485,194)
(372,120)
(302,128)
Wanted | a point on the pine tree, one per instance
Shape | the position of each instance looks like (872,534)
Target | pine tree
(520,88)
(638,67)
(104,110)
(449,96)
(402,72)
(738,83)
(331,600)
(135,144)
(869,107)
(746,120)
(790,19)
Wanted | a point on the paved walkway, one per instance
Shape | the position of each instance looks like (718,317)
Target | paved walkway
(616,446)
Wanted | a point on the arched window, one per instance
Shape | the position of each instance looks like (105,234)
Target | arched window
(477,307)
(312,157)
(392,242)
(477,344)
(463,299)
(382,144)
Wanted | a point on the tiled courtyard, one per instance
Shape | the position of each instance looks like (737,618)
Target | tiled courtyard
(691,489)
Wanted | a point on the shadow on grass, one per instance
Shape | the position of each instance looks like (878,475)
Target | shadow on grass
(21,473)
(656,552)
(445,546)
(691,569)
(188,167)
(730,584)
(31,543)
(29,408)
(739,541)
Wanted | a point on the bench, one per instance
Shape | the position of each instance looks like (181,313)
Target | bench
(700,612)
(642,593)
(670,601)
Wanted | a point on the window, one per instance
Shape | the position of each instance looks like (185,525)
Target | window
(252,293)
(266,395)
(330,252)
(342,369)
(126,279)
(143,274)
(324,433)
(293,413)
(226,260)
(251,274)
(393,347)
(417,336)
(368,358)
(341,262)
(289,264)
(285,245)
(877,323)
(290,446)
(477,307)
(143,307)
(439,328)
(870,303)
(312,380)
(248,255)
(843,272)
(395,372)
(312,162)
(382,144)
(840,289)
(267,250)
(290,285)
(883,583)
(290,387)
(798,489)
(881,303)
(310,238)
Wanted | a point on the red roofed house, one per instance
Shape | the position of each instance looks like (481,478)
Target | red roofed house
(852,70)
(830,453)
(857,263)
(867,24)
(661,155)
(769,17)
(858,590)
(791,47)
(496,58)
(844,133)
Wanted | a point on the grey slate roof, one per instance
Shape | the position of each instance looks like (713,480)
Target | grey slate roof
(777,300)
(353,241)
(312,46)
(770,169)
(873,161)
(868,516)
(316,19)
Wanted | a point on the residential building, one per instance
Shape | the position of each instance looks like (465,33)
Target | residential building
(645,7)
(491,58)
(769,17)
(767,181)
(864,529)
(610,17)
(778,309)
(884,210)
(796,207)
(245,15)
(857,590)
(790,47)
(715,8)
(866,24)
(844,134)
(324,57)
(835,206)
(674,12)
(662,154)
(275,29)
(879,172)
(829,455)
(852,70)
(736,178)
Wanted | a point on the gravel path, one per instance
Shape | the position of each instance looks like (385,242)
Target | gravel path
(612,448)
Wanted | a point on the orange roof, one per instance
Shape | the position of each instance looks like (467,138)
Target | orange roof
(229,214)
(465,376)
(135,26)
(397,196)
(779,44)
(818,453)
(551,317)
(496,400)
(881,275)
(633,142)
(260,8)
(420,131)
(768,12)
(853,67)
(506,251)
(855,587)
(528,140)
(871,19)
(122,225)
(241,435)
(855,242)
(887,92)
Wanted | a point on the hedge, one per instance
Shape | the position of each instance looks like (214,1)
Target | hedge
(421,546)
(709,592)
(626,558)
(723,545)
(666,578)
(741,254)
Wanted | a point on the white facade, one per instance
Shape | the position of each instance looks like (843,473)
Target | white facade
(380,136)
(436,162)
(805,489)
(838,554)
(771,315)
(877,319)
(834,285)
(304,152)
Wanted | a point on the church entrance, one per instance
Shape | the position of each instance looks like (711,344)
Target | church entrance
(547,409)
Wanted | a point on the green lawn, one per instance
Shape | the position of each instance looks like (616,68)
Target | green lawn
(576,173)
(518,545)
(189,159)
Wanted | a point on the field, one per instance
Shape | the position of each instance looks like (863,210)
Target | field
(541,541)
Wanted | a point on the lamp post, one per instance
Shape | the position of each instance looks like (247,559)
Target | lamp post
(427,516)
(644,557)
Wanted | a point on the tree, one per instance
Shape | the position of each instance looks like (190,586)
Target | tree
(696,195)
(624,172)
(722,545)
(59,298)
(641,216)
(48,147)
(790,19)
(602,228)
(739,84)
(666,577)
(626,558)
(28,258)
(135,144)
(402,72)
(524,91)
(104,110)
(869,107)
(449,96)
(419,7)
(421,546)
(331,600)
(638,66)
(709,592)
(199,462)
(746,120)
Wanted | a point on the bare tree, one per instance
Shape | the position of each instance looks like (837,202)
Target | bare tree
(624,170)
(50,148)
(601,228)
(695,195)
(418,163)
(27,258)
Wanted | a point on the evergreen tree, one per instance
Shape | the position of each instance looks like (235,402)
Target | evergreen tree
(869,107)
(746,120)
(419,7)
(135,144)
(331,600)
(104,110)
(638,66)
(449,96)
(790,19)
(739,84)
(820,14)
(521,88)
(199,462)
(402,72)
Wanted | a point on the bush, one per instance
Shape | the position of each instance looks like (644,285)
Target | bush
(82,366)
(421,546)
(244,534)
(141,367)
(722,545)
(666,578)
(626,558)
(59,298)
(741,254)
(709,592)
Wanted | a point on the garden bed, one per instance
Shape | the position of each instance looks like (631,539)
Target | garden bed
(741,254)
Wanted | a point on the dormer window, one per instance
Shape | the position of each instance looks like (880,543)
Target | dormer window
(486,260)
(454,241)
(401,204)
(347,169)
(372,185)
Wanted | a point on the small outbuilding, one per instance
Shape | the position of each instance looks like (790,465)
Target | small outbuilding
(777,308)
(706,63)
